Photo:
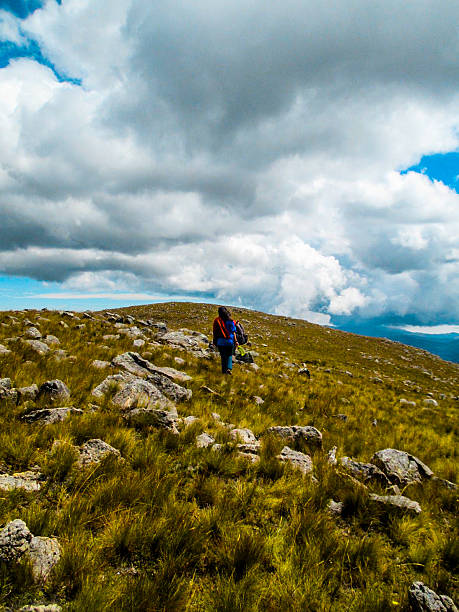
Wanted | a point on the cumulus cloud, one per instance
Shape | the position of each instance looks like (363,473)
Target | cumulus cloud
(244,152)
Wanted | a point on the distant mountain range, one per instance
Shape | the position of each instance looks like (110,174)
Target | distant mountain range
(445,346)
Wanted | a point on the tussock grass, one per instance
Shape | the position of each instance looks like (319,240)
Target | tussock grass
(175,527)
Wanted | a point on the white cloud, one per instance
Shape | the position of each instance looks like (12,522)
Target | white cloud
(257,163)
(430,329)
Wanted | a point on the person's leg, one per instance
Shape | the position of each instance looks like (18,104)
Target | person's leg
(221,350)
(230,361)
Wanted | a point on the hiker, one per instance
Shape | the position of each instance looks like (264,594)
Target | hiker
(224,331)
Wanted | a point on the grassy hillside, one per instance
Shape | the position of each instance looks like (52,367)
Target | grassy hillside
(175,527)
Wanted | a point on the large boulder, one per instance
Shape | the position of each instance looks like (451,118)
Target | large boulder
(48,416)
(53,391)
(33,332)
(188,339)
(400,467)
(296,459)
(15,538)
(94,451)
(364,471)
(43,554)
(296,433)
(161,419)
(36,345)
(115,381)
(423,599)
(139,393)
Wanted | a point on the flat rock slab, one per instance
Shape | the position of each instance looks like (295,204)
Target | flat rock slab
(397,503)
(245,436)
(423,599)
(143,394)
(400,467)
(48,416)
(137,365)
(309,435)
(39,347)
(15,538)
(296,459)
(364,471)
(94,451)
(53,391)
(41,608)
(29,481)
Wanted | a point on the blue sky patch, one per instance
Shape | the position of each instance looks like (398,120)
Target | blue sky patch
(442,167)
(20,8)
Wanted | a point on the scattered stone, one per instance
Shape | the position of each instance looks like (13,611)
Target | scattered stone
(41,608)
(63,324)
(162,419)
(139,393)
(179,361)
(423,599)
(249,451)
(309,435)
(296,459)
(50,339)
(428,401)
(39,347)
(209,390)
(402,400)
(111,337)
(187,339)
(445,483)
(245,436)
(189,420)
(8,395)
(204,440)
(135,364)
(335,508)
(364,471)
(100,365)
(401,467)
(111,382)
(4,350)
(331,460)
(33,332)
(43,554)
(138,342)
(304,372)
(29,481)
(254,367)
(397,502)
(15,538)
(53,391)
(216,417)
(5,383)
(341,417)
(60,354)
(259,401)
(93,451)
(28,393)
(48,416)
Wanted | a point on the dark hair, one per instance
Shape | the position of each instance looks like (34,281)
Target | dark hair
(224,313)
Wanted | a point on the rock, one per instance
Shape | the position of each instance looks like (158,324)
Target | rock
(139,393)
(114,381)
(245,436)
(331,460)
(53,391)
(93,451)
(249,451)
(48,416)
(397,502)
(138,342)
(111,337)
(33,332)
(423,599)
(41,608)
(29,481)
(15,538)
(50,339)
(189,420)
(402,400)
(185,338)
(209,390)
(401,467)
(445,483)
(335,508)
(28,393)
(39,347)
(97,363)
(295,433)
(135,364)
(254,367)
(258,400)
(156,418)
(364,471)
(4,350)
(296,459)
(5,383)
(204,440)
(341,417)
(304,372)
(43,554)
(8,395)
(60,354)
(179,361)
(428,401)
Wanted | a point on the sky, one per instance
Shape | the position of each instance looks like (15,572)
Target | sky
(299,158)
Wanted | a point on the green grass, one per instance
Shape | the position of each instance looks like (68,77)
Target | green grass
(174,527)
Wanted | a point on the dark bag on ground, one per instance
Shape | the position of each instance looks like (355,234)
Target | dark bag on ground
(245,358)
(241,336)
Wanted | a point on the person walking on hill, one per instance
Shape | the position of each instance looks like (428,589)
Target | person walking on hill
(224,332)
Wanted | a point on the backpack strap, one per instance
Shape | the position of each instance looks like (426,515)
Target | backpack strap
(223,329)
